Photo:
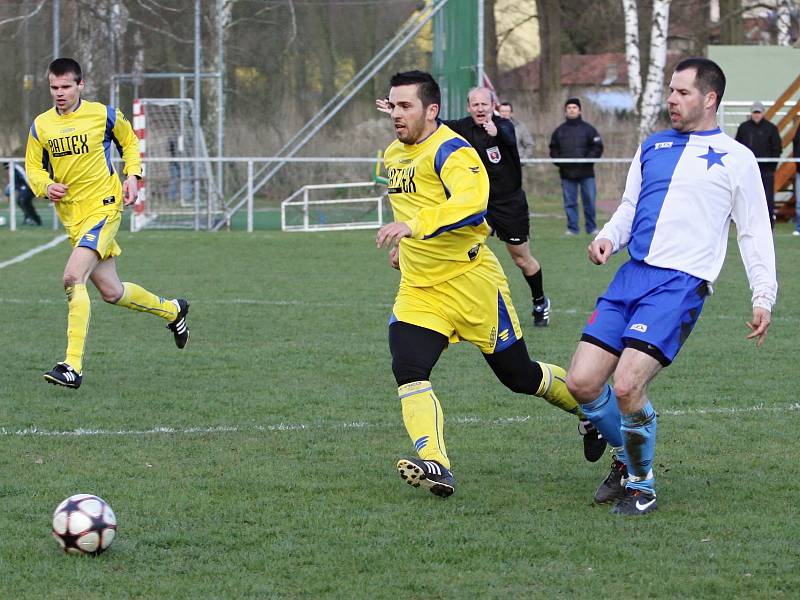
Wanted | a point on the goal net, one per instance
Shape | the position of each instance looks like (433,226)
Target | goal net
(336,206)
(177,189)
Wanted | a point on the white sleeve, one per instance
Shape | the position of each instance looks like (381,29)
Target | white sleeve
(618,229)
(754,235)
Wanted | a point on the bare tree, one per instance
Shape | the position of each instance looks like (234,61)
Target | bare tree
(549,14)
(784,23)
(649,103)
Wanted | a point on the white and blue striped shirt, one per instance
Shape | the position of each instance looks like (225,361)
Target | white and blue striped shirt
(682,191)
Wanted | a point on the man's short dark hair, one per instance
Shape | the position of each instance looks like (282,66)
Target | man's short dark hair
(508,104)
(65,66)
(709,76)
(427,88)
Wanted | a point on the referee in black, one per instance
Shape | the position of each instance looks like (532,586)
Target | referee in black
(494,140)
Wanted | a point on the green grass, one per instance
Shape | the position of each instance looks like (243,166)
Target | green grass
(295,494)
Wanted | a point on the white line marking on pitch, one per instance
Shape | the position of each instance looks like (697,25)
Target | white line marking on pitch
(306,303)
(33,251)
(464,420)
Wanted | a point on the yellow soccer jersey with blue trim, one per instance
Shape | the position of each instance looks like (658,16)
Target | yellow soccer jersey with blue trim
(440,189)
(75,149)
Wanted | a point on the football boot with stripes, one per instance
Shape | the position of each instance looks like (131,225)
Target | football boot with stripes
(179,327)
(635,502)
(63,374)
(428,474)
(541,313)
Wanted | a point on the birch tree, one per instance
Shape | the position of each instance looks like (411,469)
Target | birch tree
(784,23)
(649,102)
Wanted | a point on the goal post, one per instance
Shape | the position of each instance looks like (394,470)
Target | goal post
(177,188)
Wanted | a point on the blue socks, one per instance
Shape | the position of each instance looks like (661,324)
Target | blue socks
(604,414)
(639,436)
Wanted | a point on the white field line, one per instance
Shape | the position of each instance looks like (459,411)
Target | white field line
(33,251)
(261,302)
(335,426)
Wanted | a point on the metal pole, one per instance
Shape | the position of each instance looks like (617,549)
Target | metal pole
(249,196)
(56,28)
(221,102)
(12,198)
(196,113)
(480,43)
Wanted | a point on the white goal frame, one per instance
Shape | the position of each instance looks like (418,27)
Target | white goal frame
(301,198)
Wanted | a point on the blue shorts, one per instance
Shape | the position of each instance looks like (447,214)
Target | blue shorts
(647,308)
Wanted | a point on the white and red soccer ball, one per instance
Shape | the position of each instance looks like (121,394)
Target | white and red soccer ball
(84,524)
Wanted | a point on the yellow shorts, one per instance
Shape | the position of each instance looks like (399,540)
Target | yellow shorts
(97,232)
(474,306)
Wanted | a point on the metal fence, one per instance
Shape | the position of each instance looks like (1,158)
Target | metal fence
(540,180)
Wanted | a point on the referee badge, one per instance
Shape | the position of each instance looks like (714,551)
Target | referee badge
(494,154)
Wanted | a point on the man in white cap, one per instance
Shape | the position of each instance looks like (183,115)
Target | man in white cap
(764,140)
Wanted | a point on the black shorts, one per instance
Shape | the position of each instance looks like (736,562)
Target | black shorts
(509,219)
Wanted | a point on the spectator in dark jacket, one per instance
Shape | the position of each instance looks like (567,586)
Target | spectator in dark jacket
(796,154)
(24,195)
(575,138)
(763,138)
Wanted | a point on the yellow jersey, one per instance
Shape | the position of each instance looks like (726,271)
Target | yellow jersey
(75,150)
(440,189)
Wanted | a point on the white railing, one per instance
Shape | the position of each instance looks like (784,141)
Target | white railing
(249,164)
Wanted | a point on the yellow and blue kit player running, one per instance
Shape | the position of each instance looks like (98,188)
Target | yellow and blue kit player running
(452,287)
(68,160)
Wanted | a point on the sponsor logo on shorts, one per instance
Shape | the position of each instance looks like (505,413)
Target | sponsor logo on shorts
(514,239)
(472,253)
(660,145)
(109,200)
(90,237)
(494,154)
(641,327)
(493,336)
(504,335)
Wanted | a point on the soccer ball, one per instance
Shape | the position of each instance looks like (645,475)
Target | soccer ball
(84,524)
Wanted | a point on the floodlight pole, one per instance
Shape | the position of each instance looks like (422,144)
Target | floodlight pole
(56,28)
(196,112)
(480,43)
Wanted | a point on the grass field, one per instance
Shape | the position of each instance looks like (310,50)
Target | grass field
(259,461)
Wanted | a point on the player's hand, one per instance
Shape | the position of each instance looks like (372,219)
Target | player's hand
(490,127)
(600,251)
(391,234)
(130,190)
(56,191)
(382,104)
(394,258)
(759,325)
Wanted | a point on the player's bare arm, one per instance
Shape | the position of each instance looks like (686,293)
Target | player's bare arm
(56,191)
(759,325)
(130,190)
(600,250)
(391,234)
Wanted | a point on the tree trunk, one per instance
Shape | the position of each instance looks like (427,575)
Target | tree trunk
(784,23)
(549,15)
(490,41)
(652,98)
(631,13)
(731,30)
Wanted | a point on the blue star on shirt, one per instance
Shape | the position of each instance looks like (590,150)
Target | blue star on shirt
(713,158)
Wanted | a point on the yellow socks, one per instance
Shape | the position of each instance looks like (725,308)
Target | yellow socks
(135,297)
(424,421)
(553,388)
(80,311)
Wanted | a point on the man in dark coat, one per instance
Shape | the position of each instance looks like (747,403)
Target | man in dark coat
(764,140)
(575,138)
